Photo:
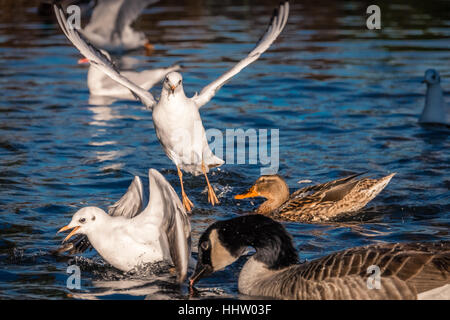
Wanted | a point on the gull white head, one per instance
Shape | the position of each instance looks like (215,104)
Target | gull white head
(173,83)
(84,221)
(431,77)
(434,110)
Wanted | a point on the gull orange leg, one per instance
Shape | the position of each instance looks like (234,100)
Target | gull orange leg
(188,205)
(149,48)
(211,194)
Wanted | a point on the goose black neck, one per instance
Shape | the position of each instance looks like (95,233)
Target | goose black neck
(271,241)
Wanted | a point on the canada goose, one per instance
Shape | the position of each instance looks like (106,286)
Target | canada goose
(435,109)
(128,237)
(315,203)
(407,270)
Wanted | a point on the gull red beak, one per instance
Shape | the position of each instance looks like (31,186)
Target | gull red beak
(70,234)
(83,60)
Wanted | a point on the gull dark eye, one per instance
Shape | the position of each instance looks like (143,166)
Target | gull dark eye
(179,82)
(82,220)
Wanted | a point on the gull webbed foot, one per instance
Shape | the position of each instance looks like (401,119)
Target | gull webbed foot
(188,205)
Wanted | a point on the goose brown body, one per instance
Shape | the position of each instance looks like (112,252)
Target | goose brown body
(314,203)
(404,270)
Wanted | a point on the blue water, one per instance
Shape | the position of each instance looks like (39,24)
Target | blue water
(345,99)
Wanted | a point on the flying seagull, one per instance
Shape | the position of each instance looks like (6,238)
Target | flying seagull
(176,117)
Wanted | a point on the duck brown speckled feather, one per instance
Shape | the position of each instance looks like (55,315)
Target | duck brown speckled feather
(331,199)
(406,271)
(315,203)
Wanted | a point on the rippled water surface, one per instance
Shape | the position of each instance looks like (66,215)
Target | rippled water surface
(345,99)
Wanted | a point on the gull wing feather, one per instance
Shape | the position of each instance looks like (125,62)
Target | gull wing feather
(276,25)
(104,17)
(131,202)
(129,11)
(100,61)
(165,210)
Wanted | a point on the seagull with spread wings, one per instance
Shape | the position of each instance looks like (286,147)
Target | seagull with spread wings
(129,236)
(176,117)
(109,26)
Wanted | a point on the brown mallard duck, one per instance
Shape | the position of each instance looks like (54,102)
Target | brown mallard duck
(314,203)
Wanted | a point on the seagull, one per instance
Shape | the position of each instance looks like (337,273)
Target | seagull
(109,26)
(435,110)
(100,84)
(128,237)
(176,117)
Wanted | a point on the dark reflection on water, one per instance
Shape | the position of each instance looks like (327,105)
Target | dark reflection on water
(345,99)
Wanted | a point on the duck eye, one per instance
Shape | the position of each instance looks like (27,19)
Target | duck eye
(82,220)
(204,245)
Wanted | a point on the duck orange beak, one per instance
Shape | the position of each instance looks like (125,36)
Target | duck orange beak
(70,234)
(251,193)
(83,60)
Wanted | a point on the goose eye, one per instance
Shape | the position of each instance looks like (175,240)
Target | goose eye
(82,220)
(204,245)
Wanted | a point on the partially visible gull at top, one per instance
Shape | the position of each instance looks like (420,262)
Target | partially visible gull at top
(128,237)
(100,85)
(435,110)
(176,117)
(109,25)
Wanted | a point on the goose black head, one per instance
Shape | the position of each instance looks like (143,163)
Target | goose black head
(223,242)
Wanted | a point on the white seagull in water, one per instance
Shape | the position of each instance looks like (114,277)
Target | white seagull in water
(176,117)
(100,84)
(127,237)
(435,110)
(109,26)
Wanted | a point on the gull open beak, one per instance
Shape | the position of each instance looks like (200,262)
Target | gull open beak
(83,60)
(71,233)
(251,193)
